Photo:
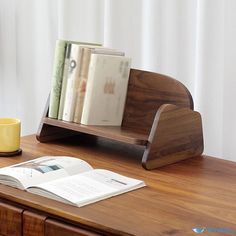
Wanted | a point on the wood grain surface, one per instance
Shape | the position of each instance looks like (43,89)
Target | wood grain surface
(10,220)
(176,135)
(198,192)
(33,224)
(111,132)
(53,227)
(147,91)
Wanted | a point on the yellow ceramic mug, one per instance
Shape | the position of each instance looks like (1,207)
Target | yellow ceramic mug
(9,134)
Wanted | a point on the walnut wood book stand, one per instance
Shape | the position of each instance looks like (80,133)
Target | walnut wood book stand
(158,115)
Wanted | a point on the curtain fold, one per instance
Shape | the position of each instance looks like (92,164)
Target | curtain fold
(8,63)
(210,72)
(190,40)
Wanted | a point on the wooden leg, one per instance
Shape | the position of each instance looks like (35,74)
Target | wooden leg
(47,133)
(176,135)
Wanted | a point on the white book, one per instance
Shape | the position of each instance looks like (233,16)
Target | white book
(83,76)
(106,90)
(72,82)
(67,179)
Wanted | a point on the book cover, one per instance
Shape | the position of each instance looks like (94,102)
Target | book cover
(83,76)
(64,81)
(72,82)
(106,90)
(58,66)
(67,179)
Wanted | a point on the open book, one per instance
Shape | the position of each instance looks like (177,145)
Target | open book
(67,179)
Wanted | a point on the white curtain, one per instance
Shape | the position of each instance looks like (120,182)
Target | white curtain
(190,40)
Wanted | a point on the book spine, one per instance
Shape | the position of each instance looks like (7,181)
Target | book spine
(83,76)
(72,83)
(58,67)
(64,81)
(89,90)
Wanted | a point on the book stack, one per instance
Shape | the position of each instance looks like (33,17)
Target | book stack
(89,84)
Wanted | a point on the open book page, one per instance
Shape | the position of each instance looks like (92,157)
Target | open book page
(41,170)
(87,187)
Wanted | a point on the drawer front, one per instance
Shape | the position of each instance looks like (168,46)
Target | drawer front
(10,220)
(33,224)
(53,227)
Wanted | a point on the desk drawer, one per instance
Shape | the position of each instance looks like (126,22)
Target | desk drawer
(53,227)
(10,220)
(33,224)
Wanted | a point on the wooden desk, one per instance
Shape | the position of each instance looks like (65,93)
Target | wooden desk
(199,192)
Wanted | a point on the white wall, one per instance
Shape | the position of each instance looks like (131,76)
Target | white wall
(191,40)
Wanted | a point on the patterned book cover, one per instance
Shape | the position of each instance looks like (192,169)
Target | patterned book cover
(64,81)
(58,67)
(106,90)
(72,81)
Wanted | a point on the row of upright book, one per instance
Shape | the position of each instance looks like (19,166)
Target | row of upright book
(89,84)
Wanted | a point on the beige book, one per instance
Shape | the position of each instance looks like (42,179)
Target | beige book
(79,99)
(83,76)
(72,82)
(106,90)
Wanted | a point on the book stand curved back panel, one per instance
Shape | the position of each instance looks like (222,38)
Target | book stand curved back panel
(158,115)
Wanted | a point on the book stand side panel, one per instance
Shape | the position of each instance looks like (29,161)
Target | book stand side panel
(176,135)
(147,91)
